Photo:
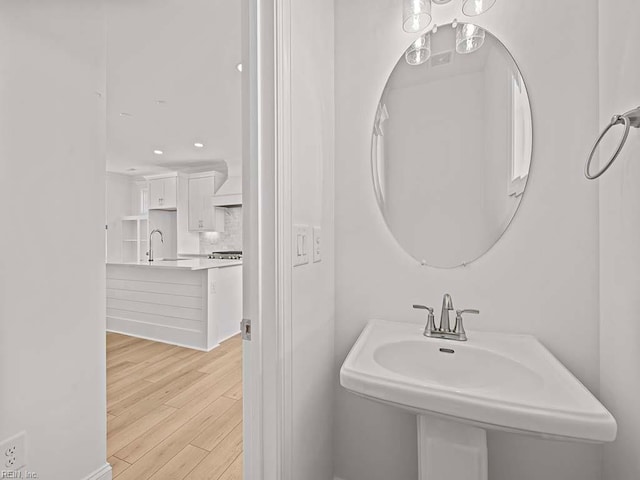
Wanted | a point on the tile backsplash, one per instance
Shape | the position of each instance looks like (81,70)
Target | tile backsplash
(230,239)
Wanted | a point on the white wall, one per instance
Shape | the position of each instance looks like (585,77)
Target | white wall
(541,278)
(52,274)
(620,238)
(119,204)
(312,151)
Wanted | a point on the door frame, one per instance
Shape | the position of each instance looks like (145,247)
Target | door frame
(267,242)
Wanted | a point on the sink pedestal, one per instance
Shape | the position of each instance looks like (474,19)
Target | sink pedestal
(449,450)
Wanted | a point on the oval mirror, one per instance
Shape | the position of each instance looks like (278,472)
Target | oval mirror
(451,145)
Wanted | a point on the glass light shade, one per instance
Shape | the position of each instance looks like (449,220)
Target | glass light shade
(416,15)
(469,38)
(471,8)
(419,51)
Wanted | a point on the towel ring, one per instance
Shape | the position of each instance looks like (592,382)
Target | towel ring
(629,119)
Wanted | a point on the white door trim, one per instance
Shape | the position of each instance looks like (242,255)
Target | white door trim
(285,235)
(267,239)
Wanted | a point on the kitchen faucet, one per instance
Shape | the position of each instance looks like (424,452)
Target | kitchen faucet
(150,252)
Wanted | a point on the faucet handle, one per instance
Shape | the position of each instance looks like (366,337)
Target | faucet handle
(430,327)
(422,307)
(459,326)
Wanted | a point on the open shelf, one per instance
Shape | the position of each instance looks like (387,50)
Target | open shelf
(135,229)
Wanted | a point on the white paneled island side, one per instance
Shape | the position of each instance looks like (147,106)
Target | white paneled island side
(195,303)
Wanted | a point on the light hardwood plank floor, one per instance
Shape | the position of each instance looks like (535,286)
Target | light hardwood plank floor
(173,413)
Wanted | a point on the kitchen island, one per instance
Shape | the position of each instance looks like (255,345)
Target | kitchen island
(195,303)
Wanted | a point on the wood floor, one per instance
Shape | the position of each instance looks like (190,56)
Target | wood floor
(173,413)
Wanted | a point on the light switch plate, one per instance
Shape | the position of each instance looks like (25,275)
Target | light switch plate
(317,244)
(301,245)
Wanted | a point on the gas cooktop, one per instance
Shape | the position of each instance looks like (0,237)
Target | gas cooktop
(226,255)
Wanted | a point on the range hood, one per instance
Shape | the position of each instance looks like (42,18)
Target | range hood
(229,194)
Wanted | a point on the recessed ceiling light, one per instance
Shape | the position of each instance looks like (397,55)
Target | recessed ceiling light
(239,67)
(198,145)
(125,114)
(161,102)
(158,152)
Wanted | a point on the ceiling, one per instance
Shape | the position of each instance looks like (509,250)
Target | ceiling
(172,81)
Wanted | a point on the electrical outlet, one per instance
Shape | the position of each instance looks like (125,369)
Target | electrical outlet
(13,452)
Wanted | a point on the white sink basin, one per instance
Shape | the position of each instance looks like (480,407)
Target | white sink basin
(493,381)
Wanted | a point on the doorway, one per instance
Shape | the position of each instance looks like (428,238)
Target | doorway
(56,102)
(174,239)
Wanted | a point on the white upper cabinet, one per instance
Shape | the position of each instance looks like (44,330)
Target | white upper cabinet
(203,215)
(163,193)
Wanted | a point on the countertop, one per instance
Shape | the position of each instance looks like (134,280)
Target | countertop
(187,264)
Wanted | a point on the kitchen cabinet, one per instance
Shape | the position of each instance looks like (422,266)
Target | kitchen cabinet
(163,193)
(203,215)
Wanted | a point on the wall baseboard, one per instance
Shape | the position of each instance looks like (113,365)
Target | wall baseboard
(128,332)
(103,473)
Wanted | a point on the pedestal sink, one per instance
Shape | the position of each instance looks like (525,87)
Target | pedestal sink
(459,390)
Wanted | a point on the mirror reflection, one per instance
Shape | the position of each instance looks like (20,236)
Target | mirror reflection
(451,146)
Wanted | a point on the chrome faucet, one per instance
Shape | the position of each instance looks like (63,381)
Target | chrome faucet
(444,330)
(150,252)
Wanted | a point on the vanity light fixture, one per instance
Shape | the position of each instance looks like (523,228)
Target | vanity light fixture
(469,38)
(416,15)
(198,145)
(471,8)
(158,152)
(419,51)
(239,67)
